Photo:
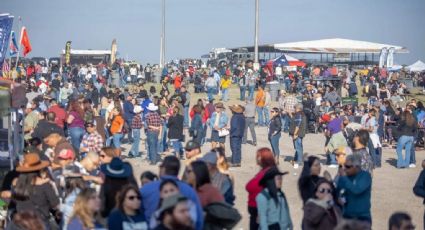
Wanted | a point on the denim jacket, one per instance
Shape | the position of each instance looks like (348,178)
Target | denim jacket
(269,213)
(222,122)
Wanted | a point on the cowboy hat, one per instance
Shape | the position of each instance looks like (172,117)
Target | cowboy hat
(270,174)
(137,109)
(32,163)
(237,108)
(219,105)
(152,107)
(117,168)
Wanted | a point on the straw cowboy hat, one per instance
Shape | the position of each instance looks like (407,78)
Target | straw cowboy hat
(32,163)
(138,109)
(219,105)
(237,108)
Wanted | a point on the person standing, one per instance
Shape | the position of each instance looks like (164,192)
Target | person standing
(196,129)
(252,80)
(260,100)
(86,209)
(175,132)
(237,126)
(275,128)
(218,122)
(75,122)
(249,122)
(267,105)
(354,188)
(128,108)
(211,86)
(264,159)
(360,141)
(407,129)
(136,127)
(273,209)
(154,126)
(288,104)
(174,213)
(309,177)
(225,83)
(116,129)
(185,96)
(297,131)
(242,86)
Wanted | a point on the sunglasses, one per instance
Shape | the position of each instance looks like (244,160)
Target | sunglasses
(348,166)
(134,197)
(324,190)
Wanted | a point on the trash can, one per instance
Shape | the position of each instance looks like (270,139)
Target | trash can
(274,88)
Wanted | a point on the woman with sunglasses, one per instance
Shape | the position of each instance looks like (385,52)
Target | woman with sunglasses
(320,212)
(275,128)
(127,213)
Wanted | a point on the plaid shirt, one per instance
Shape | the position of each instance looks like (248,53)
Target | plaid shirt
(92,141)
(137,122)
(289,104)
(153,119)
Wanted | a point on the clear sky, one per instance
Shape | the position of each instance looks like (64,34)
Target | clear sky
(195,26)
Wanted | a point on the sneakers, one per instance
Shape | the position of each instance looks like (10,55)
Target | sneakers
(412,166)
(296,166)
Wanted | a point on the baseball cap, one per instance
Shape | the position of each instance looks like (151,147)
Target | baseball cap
(191,145)
(210,157)
(171,201)
(66,154)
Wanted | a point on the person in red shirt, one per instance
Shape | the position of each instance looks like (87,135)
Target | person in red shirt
(59,112)
(265,160)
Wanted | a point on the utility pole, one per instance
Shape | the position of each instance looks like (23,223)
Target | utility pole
(256,64)
(162,50)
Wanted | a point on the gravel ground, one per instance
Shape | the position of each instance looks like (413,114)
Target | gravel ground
(391,190)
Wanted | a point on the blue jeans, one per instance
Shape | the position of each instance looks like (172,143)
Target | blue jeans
(210,92)
(404,141)
(162,141)
(76,134)
(186,116)
(274,141)
(266,112)
(178,147)
(116,139)
(287,84)
(243,92)
(225,94)
(152,141)
(285,122)
(298,145)
(236,147)
(136,142)
(260,112)
(130,133)
(251,92)
(330,158)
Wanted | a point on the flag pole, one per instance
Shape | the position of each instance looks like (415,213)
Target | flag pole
(20,40)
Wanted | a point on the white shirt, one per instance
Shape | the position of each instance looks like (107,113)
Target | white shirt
(278,70)
(133,71)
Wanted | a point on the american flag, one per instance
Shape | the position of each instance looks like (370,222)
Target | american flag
(6,67)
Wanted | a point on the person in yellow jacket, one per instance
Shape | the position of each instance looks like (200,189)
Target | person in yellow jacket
(224,85)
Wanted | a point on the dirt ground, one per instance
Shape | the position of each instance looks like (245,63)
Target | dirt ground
(391,189)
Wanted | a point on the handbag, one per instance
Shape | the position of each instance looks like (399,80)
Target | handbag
(223,132)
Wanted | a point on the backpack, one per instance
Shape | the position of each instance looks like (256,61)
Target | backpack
(220,215)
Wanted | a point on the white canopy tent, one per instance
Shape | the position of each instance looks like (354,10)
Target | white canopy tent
(418,66)
(337,45)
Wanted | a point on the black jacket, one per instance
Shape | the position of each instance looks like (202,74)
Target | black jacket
(175,127)
(275,126)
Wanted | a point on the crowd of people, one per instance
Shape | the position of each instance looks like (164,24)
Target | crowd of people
(71,172)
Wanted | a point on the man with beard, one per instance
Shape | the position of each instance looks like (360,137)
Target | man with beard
(174,214)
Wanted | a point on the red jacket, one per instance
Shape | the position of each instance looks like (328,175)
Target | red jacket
(253,187)
(207,194)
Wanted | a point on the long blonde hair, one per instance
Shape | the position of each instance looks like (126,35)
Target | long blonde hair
(82,210)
